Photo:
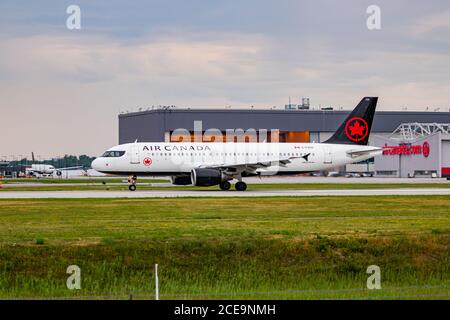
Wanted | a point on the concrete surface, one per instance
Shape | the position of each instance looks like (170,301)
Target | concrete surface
(217,193)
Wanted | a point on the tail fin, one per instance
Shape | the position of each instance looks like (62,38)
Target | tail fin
(356,128)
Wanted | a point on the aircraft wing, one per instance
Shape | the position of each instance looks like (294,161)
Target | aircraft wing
(251,167)
(70,168)
(357,153)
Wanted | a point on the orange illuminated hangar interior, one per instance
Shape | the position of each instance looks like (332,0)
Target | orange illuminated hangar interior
(283,136)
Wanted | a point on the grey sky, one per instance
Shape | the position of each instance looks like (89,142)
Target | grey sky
(61,90)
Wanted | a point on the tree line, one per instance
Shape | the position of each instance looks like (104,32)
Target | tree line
(66,161)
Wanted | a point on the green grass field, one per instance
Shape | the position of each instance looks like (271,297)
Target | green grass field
(211,248)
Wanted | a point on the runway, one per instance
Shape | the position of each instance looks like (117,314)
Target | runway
(217,193)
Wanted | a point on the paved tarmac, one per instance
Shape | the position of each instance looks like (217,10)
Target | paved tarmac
(249,180)
(218,193)
(356,180)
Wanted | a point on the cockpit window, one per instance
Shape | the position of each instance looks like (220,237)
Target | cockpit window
(113,154)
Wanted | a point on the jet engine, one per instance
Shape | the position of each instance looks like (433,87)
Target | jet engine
(206,177)
(180,180)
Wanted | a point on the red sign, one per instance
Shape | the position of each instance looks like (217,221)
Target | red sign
(356,129)
(147,161)
(426,149)
(407,149)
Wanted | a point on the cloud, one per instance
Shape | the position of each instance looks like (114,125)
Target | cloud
(433,22)
(51,87)
(104,59)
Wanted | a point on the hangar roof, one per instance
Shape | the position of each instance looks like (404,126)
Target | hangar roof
(295,120)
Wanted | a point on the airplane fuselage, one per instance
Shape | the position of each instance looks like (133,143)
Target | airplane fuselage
(153,158)
(40,169)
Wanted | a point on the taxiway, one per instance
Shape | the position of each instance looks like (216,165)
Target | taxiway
(217,193)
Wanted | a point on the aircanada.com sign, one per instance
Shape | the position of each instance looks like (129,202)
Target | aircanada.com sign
(407,149)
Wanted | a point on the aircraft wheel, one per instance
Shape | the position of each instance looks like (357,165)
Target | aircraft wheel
(240,186)
(225,185)
(132,187)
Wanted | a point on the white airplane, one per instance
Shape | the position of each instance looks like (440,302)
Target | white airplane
(40,170)
(37,170)
(209,164)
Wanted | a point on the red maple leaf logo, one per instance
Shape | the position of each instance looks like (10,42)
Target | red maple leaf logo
(147,161)
(356,129)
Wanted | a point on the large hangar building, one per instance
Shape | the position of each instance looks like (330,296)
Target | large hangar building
(299,125)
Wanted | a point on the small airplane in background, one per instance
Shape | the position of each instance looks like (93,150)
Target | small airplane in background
(46,170)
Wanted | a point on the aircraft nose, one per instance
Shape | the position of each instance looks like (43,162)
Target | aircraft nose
(96,164)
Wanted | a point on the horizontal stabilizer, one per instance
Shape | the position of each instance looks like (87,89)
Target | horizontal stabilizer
(358,153)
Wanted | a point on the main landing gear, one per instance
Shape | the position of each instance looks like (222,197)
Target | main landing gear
(132,182)
(225,185)
(240,186)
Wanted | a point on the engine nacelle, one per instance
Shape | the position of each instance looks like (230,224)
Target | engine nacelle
(180,180)
(206,177)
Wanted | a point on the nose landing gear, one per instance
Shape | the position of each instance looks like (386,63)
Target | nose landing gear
(132,182)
